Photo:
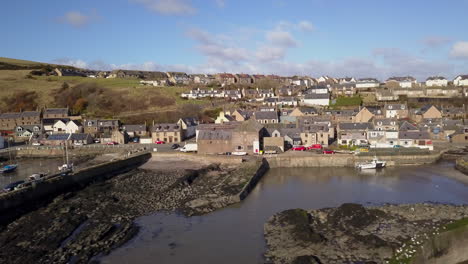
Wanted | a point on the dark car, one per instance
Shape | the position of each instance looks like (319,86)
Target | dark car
(11,186)
(175,146)
(136,140)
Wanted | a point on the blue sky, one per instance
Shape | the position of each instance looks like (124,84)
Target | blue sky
(313,37)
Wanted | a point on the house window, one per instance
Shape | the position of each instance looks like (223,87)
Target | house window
(90,123)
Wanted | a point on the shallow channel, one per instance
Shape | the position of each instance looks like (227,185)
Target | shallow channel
(235,234)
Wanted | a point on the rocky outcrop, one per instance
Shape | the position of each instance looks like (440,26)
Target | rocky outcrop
(79,225)
(353,233)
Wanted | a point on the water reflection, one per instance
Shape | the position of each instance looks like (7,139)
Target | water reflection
(235,234)
(26,167)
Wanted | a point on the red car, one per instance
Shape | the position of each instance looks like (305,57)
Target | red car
(315,146)
(112,143)
(159,142)
(299,148)
(328,151)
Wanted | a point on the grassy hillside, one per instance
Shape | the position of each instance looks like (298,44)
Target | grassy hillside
(124,96)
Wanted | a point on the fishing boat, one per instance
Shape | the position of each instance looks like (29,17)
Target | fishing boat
(67,166)
(8,168)
(373,164)
(239,153)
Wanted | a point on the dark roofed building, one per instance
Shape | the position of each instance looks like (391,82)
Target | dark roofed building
(56,113)
(266,117)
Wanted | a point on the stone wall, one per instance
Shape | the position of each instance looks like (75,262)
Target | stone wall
(264,167)
(200,157)
(346,160)
(57,184)
(462,165)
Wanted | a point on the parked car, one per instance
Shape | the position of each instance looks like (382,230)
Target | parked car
(12,186)
(314,147)
(136,140)
(97,141)
(299,148)
(112,143)
(159,142)
(362,150)
(175,146)
(328,151)
(78,144)
(396,146)
(36,144)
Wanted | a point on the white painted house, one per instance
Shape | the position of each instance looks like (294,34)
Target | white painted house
(70,127)
(404,82)
(316,99)
(436,81)
(367,83)
(461,80)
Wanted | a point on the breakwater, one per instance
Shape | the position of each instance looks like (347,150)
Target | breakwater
(56,184)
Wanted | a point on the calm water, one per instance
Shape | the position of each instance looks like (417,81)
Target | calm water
(26,167)
(235,234)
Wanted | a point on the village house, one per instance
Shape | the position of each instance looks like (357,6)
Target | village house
(345,89)
(319,89)
(119,136)
(259,94)
(26,131)
(54,113)
(436,81)
(346,80)
(433,127)
(409,92)
(398,111)
(242,115)
(327,80)
(233,94)
(55,140)
(454,112)
(425,112)
(96,127)
(80,138)
(248,137)
(225,78)
(224,117)
(167,132)
(364,115)
(273,145)
(316,99)
(382,138)
(386,95)
(418,139)
(179,78)
(136,131)
(353,133)
(445,92)
(345,115)
(214,141)
(461,80)
(291,136)
(200,93)
(315,134)
(266,117)
(258,77)
(403,82)
(366,83)
(189,127)
(385,124)
(304,111)
(243,79)
(460,136)
(70,127)
(8,121)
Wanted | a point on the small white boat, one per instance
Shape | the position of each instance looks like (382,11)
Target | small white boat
(373,164)
(239,153)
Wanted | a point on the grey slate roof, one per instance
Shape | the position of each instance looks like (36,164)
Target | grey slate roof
(168,127)
(355,126)
(317,96)
(133,128)
(79,136)
(414,135)
(58,136)
(262,115)
(215,135)
(10,115)
(31,114)
(56,111)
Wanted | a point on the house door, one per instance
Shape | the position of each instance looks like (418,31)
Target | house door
(170,139)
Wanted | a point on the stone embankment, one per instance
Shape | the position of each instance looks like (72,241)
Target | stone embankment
(352,233)
(462,165)
(77,226)
(308,160)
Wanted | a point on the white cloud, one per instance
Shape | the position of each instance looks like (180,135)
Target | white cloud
(75,63)
(78,19)
(270,53)
(168,7)
(460,50)
(281,38)
(306,26)
(435,41)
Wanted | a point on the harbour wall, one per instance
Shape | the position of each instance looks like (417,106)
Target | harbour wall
(346,160)
(250,185)
(461,164)
(56,184)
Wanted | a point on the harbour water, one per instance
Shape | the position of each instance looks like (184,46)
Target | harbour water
(26,167)
(235,234)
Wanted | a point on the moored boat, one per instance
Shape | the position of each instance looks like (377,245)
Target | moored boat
(8,168)
(373,164)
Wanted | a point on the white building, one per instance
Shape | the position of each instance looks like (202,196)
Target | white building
(404,82)
(437,81)
(70,127)
(316,99)
(461,80)
(367,83)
